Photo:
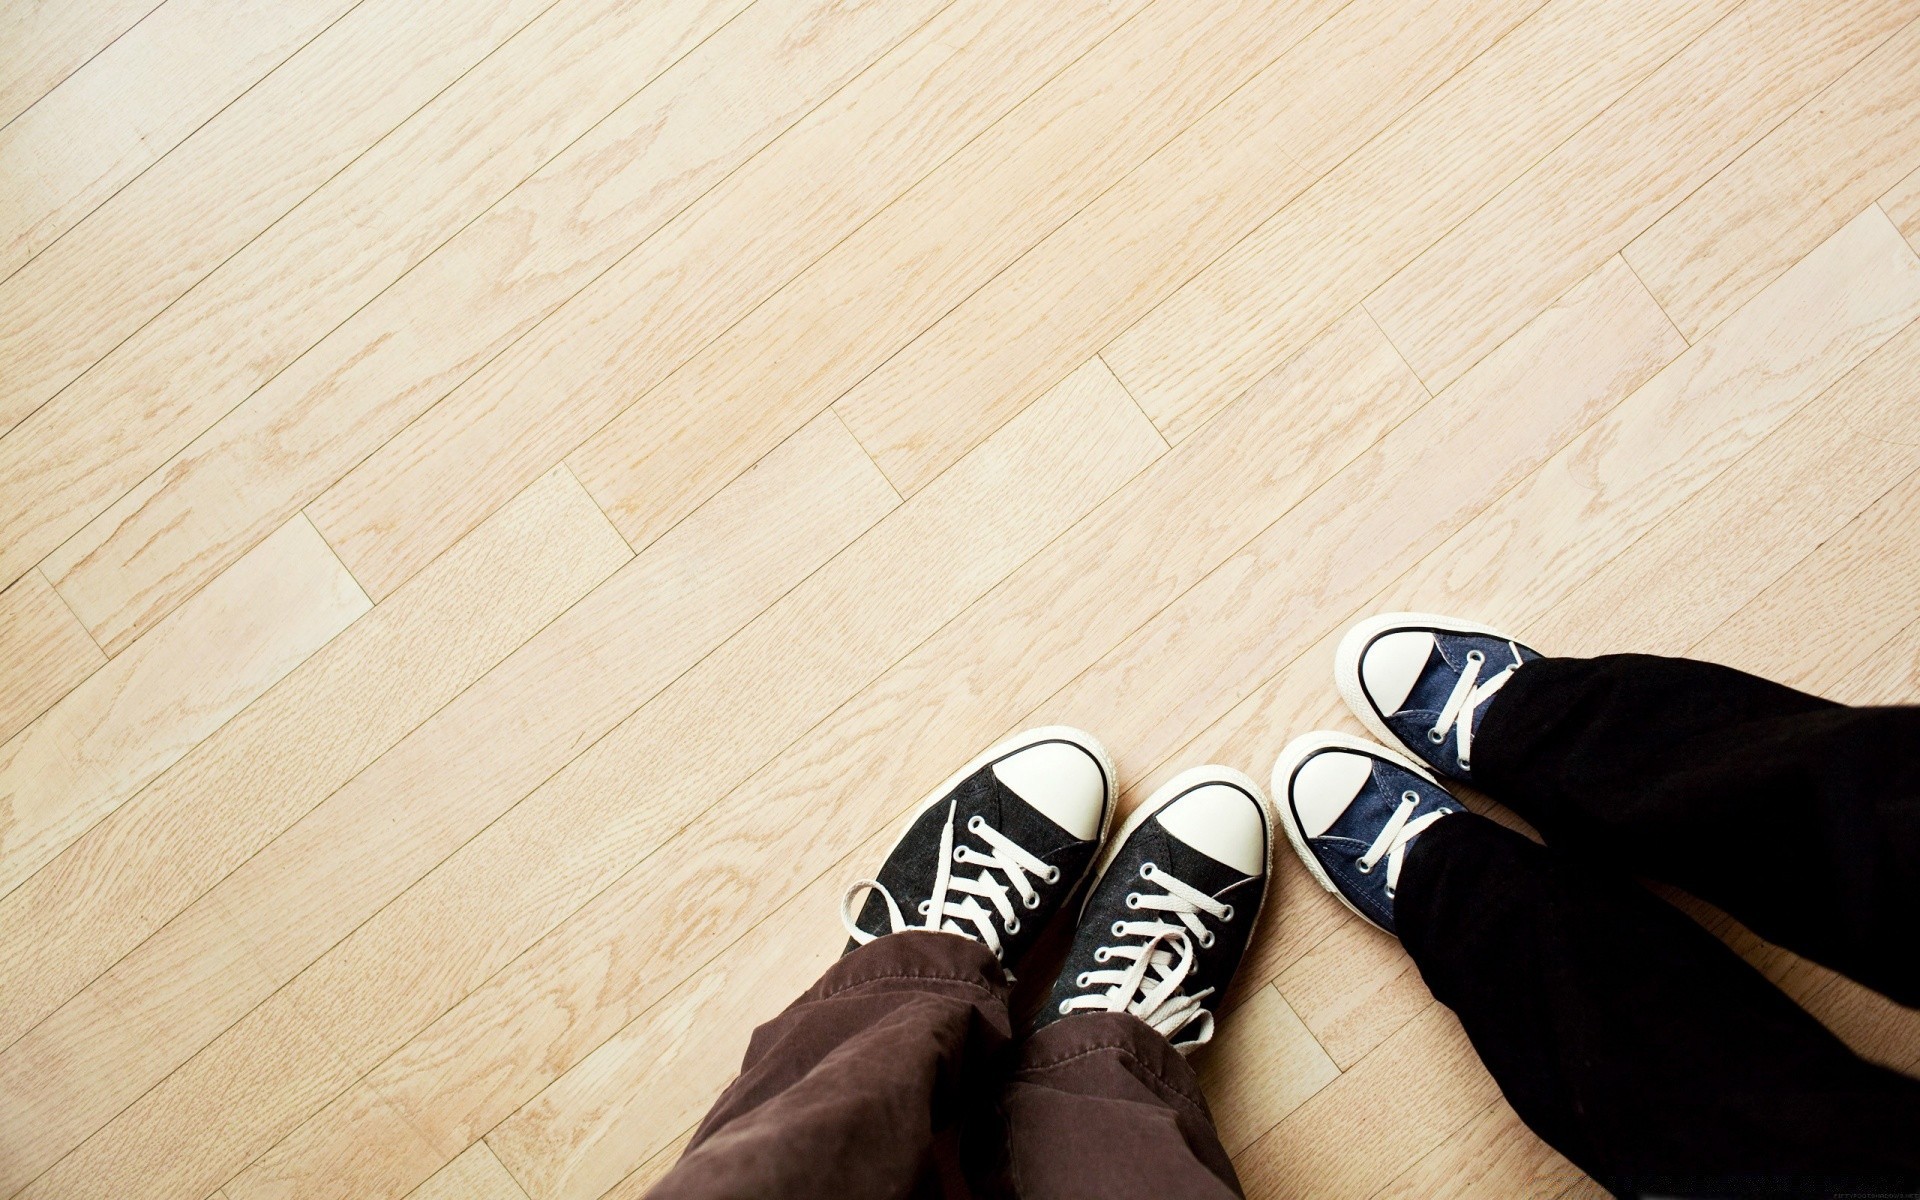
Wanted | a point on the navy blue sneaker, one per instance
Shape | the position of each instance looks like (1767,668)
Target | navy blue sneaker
(997,849)
(1351,809)
(1423,682)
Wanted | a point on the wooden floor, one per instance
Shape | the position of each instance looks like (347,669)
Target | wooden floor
(503,502)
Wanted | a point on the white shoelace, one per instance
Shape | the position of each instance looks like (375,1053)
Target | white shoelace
(1150,986)
(1465,700)
(943,910)
(1395,836)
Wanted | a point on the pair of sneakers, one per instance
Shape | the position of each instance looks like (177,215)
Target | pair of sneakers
(1008,840)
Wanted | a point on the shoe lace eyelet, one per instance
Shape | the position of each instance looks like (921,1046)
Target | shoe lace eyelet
(1013,925)
(1083,979)
(1227,915)
(1476,657)
(1053,874)
(975,822)
(1409,797)
(1148,870)
(1101,955)
(1064,1010)
(1031,902)
(925,905)
(1206,940)
(1118,929)
(1133,900)
(1436,736)
(1365,868)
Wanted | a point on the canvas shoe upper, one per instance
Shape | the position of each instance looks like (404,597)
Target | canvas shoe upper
(1168,918)
(1352,809)
(1423,682)
(996,850)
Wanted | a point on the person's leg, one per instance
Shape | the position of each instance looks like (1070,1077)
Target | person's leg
(862,1086)
(1798,816)
(1636,1043)
(850,1091)
(1630,1039)
(1103,1107)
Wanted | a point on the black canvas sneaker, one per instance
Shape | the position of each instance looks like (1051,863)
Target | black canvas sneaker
(997,849)
(1171,912)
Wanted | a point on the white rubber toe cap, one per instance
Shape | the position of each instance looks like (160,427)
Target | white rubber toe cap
(1325,785)
(1061,780)
(1221,822)
(1391,665)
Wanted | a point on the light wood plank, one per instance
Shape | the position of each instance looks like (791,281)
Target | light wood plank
(1257,305)
(1353,990)
(488,285)
(1781,501)
(1842,602)
(42,44)
(1890,676)
(1400,1102)
(579,833)
(367,841)
(536,402)
(475,1175)
(955,693)
(44,652)
(313,731)
(1606,184)
(116,115)
(644,1176)
(315,268)
(1495,1155)
(155,238)
(140,713)
(1902,206)
(1812,174)
(1137,242)
(889,280)
(1263,1064)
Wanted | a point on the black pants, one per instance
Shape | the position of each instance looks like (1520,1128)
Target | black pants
(1629,1038)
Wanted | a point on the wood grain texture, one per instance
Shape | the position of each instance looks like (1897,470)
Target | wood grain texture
(151,241)
(44,652)
(920,103)
(1138,241)
(428,795)
(1902,206)
(1606,184)
(142,711)
(380,217)
(139,97)
(1810,175)
(636,1185)
(696,740)
(1258,304)
(313,731)
(488,285)
(475,1175)
(42,44)
(1264,1064)
(853,308)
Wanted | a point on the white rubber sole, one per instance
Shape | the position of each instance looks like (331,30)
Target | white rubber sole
(1166,794)
(1298,751)
(1346,662)
(1021,741)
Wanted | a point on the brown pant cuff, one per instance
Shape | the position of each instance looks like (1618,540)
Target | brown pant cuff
(1090,1033)
(926,955)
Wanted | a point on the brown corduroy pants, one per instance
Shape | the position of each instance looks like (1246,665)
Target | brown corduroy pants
(898,1074)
